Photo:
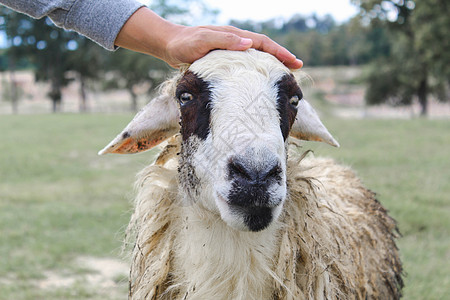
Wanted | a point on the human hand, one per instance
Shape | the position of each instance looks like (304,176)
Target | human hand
(188,44)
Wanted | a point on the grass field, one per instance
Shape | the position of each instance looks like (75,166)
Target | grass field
(61,205)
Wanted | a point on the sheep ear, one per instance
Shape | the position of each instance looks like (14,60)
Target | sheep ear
(156,122)
(307,126)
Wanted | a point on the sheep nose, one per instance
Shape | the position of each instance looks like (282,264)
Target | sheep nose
(249,174)
(251,182)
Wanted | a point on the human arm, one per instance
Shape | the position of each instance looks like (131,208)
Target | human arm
(176,44)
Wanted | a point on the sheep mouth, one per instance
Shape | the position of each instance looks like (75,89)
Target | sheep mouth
(255,218)
(249,217)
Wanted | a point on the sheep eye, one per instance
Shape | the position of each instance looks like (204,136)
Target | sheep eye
(185,97)
(294,100)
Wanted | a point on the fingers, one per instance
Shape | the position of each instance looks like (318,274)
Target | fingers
(258,41)
(263,43)
(216,39)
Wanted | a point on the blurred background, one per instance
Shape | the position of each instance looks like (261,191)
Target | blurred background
(379,75)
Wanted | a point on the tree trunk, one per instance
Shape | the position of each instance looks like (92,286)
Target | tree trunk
(133,100)
(14,92)
(55,106)
(422,94)
(13,85)
(83,99)
(55,95)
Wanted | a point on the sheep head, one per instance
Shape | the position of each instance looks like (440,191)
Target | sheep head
(237,110)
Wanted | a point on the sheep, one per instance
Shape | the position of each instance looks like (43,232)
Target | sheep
(231,210)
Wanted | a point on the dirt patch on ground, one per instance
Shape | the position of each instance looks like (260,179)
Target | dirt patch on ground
(105,277)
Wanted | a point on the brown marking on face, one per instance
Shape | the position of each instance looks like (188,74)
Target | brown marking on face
(287,88)
(195,114)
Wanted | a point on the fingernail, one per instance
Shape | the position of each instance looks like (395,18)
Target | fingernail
(246,42)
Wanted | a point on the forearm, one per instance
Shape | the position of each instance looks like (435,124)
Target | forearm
(148,33)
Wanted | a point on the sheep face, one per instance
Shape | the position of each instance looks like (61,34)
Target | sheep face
(236,110)
(234,125)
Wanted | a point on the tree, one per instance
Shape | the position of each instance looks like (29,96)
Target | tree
(130,70)
(320,41)
(50,55)
(10,59)
(419,62)
(88,61)
(44,45)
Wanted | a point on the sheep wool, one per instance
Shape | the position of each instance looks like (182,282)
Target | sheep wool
(333,240)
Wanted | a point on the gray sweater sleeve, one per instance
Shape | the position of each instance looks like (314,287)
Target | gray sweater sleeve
(99,20)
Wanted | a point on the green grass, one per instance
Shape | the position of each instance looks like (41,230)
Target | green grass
(60,201)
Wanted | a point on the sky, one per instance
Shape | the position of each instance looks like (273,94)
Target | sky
(262,10)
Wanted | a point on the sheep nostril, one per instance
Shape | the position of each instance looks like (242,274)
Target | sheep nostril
(274,172)
(238,169)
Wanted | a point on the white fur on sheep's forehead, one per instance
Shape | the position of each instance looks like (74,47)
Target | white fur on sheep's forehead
(221,63)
